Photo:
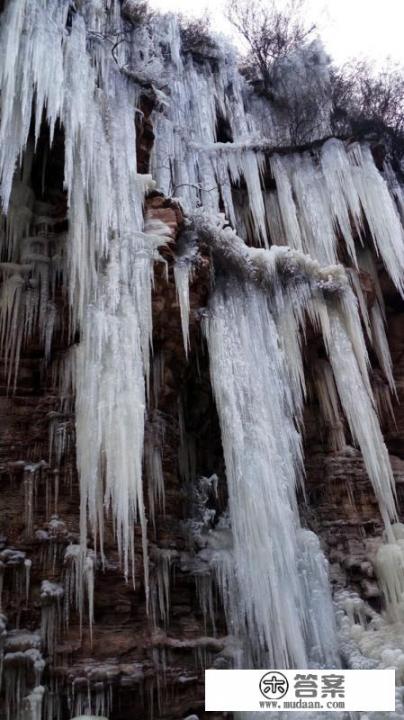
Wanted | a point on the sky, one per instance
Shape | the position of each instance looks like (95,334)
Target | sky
(349,28)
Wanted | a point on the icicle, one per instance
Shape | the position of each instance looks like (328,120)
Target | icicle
(186,252)
(158,376)
(287,205)
(111,400)
(23,662)
(109,258)
(33,703)
(182,279)
(79,582)
(155,478)
(206,597)
(30,474)
(14,560)
(320,197)
(307,287)
(329,406)
(380,212)
(51,598)
(290,341)
(28,566)
(320,625)
(25,303)
(161,596)
(306,184)
(29,500)
(19,216)
(381,345)
(87,698)
(357,401)
(90,579)
(251,164)
(25,71)
(383,400)
(2,571)
(186,449)
(11,323)
(356,284)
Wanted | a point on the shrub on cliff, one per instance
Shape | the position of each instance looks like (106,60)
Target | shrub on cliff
(368,101)
(197,37)
(271,31)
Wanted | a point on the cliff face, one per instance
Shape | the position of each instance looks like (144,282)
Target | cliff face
(134,656)
(341,504)
(140,662)
(137,660)
(77,637)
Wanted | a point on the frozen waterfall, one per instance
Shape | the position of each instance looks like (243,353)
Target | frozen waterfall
(264,467)
(270,226)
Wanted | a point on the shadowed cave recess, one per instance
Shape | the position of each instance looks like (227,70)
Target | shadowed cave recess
(202,363)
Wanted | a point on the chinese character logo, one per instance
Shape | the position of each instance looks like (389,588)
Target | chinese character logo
(306,686)
(333,686)
(274,685)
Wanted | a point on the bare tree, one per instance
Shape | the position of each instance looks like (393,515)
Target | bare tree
(271,29)
(136,11)
(196,35)
(365,97)
(300,93)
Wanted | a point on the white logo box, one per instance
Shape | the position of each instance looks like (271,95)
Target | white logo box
(300,690)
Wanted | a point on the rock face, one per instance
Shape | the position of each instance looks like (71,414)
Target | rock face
(135,660)
(343,509)
(139,660)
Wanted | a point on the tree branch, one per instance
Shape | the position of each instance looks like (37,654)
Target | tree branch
(262,267)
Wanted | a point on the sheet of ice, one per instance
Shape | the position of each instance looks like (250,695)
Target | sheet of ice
(262,468)
(357,400)
(294,281)
(108,258)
